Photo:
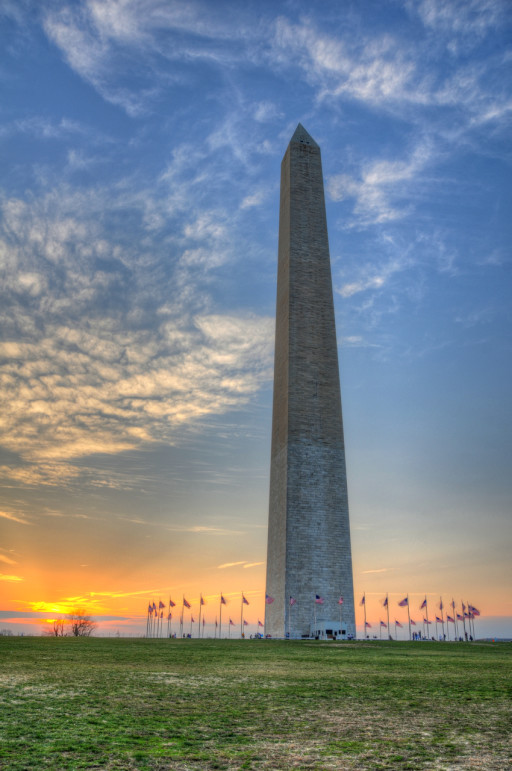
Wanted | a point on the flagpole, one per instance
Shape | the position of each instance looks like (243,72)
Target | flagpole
(364,606)
(220,618)
(469,621)
(442,614)
(289,615)
(387,608)
(242,616)
(409,617)
(456,627)
(426,615)
(200,608)
(315,617)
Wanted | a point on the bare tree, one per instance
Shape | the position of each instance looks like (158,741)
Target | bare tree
(56,629)
(80,624)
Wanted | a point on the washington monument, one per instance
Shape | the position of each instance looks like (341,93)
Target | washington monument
(309,561)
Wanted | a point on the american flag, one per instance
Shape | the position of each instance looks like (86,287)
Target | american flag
(439,620)
(192,619)
(413,623)
(160,605)
(404,603)
(231,623)
(426,621)
(460,617)
(441,606)
(244,600)
(319,600)
(222,600)
(367,625)
(268,599)
(169,616)
(450,618)
(383,623)
(202,602)
(172,604)
(154,607)
(186,604)
(423,604)
(246,623)
(340,601)
(259,623)
(150,608)
(293,601)
(363,600)
(385,602)
(397,623)
(474,610)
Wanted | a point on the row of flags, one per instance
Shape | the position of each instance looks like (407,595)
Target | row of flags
(468,613)
(161,614)
(156,618)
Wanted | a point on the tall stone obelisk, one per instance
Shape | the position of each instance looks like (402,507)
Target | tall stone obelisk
(309,550)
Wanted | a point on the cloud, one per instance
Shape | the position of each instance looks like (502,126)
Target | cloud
(253,564)
(381,186)
(7,560)
(230,565)
(95,360)
(13,518)
(12,579)
(377,570)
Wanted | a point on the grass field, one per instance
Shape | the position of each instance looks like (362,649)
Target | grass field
(92,703)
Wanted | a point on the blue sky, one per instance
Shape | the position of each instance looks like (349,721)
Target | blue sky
(141,148)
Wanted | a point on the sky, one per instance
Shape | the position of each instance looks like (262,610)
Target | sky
(141,143)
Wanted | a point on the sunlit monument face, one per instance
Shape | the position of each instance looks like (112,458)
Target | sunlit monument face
(309,556)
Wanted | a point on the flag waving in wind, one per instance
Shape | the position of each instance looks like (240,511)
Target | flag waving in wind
(268,599)
(222,600)
(186,604)
(293,601)
(319,600)
(404,603)
(423,604)
(244,600)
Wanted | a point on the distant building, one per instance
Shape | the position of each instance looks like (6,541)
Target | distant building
(309,561)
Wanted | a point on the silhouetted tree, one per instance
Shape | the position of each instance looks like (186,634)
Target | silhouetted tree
(80,624)
(56,629)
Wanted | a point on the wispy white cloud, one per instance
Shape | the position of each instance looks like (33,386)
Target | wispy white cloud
(381,190)
(230,565)
(10,578)
(14,518)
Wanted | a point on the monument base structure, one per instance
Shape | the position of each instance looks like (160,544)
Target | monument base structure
(309,562)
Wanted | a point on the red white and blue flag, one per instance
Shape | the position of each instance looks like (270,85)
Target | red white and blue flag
(222,600)
(474,610)
(340,601)
(385,602)
(367,625)
(169,616)
(244,600)
(439,620)
(426,621)
(231,623)
(363,600)
(259,623)
(423,604)
(293,601)
(397,623)
(150,608)
(450,618)
(186,604)
(202,602)
(413,623)
(460,617)
(171,604)
(268,599)
(192,619)
(404,603)
(383,623)
(246,623)
(319,600)
(160,605)
(441,604)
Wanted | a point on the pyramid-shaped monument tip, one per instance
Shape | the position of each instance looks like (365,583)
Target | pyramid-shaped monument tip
(301,136)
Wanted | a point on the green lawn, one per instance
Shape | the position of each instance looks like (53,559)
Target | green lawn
(92,703)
